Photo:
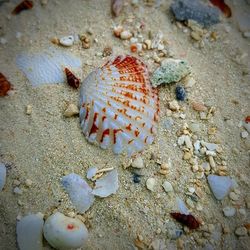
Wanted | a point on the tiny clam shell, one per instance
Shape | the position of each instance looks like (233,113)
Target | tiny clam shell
(119,108)
(24,5)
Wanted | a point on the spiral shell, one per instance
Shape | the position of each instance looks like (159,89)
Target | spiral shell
(119,108)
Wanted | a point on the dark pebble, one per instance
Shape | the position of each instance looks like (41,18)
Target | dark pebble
(136,178)
(180,93)
(203,14)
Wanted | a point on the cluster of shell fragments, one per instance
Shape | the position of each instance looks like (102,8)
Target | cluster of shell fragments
(119,108)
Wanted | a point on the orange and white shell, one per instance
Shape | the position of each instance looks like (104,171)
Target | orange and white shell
(119,108)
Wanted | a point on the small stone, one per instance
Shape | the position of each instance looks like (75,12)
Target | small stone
(187,156)
(194,127)
(168,123)
(150,183)
(125,35)
(67,41)
(28,110)
(188,142)
(229,211)
(148,44)
(233,196)
(43,2)
(180,93)
(167,186)
(190,203)
(191,190)
(244,134)
(242,211)
(195,168)
(181,140)
(174,106)
(203,116)
(138,162)
(28,183)
(71,110)
(241,231)
(246,34)
(107,51)
(211,161)
(189,81)
(18,35)
(3,41)
(196,36)
(17,190)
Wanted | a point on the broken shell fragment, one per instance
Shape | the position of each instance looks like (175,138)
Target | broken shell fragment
(107,184)
(29,232)
(64,233)
(79,191)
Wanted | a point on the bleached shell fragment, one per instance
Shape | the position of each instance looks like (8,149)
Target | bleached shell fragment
(220,185)
(79,191)
(181,206)
(2,175)
(64,233)
(91,172)
(107,184)
(30,232)
(167,186)
(125,35)
(138,162)
(46,67)
(119,108)
(67,41)
(71,110)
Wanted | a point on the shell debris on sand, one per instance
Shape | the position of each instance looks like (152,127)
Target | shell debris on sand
(119,108)
(64,233)
(106,185)
(30,232)
(79,191)
(5,85)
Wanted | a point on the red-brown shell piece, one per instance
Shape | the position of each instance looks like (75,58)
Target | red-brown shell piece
(186,219)
(222,6)
(247,119)
(24,5)
(5,85)
(72,80)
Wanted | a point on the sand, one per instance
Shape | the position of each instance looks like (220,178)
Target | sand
(44,146)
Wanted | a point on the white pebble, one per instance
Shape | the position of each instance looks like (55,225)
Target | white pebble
(29,232)
(181,140)
(17,190)
(133,39)
(209,152)
(67,41)
(150,183)
(138,162)
(3,40)
(125,35)
(220,185)
(167,186)
(2,175)
(244,134)
(63,232)
(18,35)
(28,110)
(188,142)
(242,211)
(191,190)
(241,231)
(229,211)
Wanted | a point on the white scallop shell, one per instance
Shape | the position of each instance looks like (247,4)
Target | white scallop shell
(119,108)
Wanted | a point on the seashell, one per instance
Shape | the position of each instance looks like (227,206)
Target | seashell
(188,220)
(106,185)
(5,85)
(72,80)
(30,232)
(24,5)
(63,232)
(79,191)
(67,41)
(118,106)
(46,67)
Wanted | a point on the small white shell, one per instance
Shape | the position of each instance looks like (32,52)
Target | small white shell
(107,185)
(2,175)
(64,233)
(30,232)
(91,172)
(79,192)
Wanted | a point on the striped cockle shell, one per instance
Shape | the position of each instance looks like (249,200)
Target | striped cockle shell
(119,108)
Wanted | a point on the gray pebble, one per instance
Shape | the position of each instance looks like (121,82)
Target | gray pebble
(241,231)
(229,211)
(205,15)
